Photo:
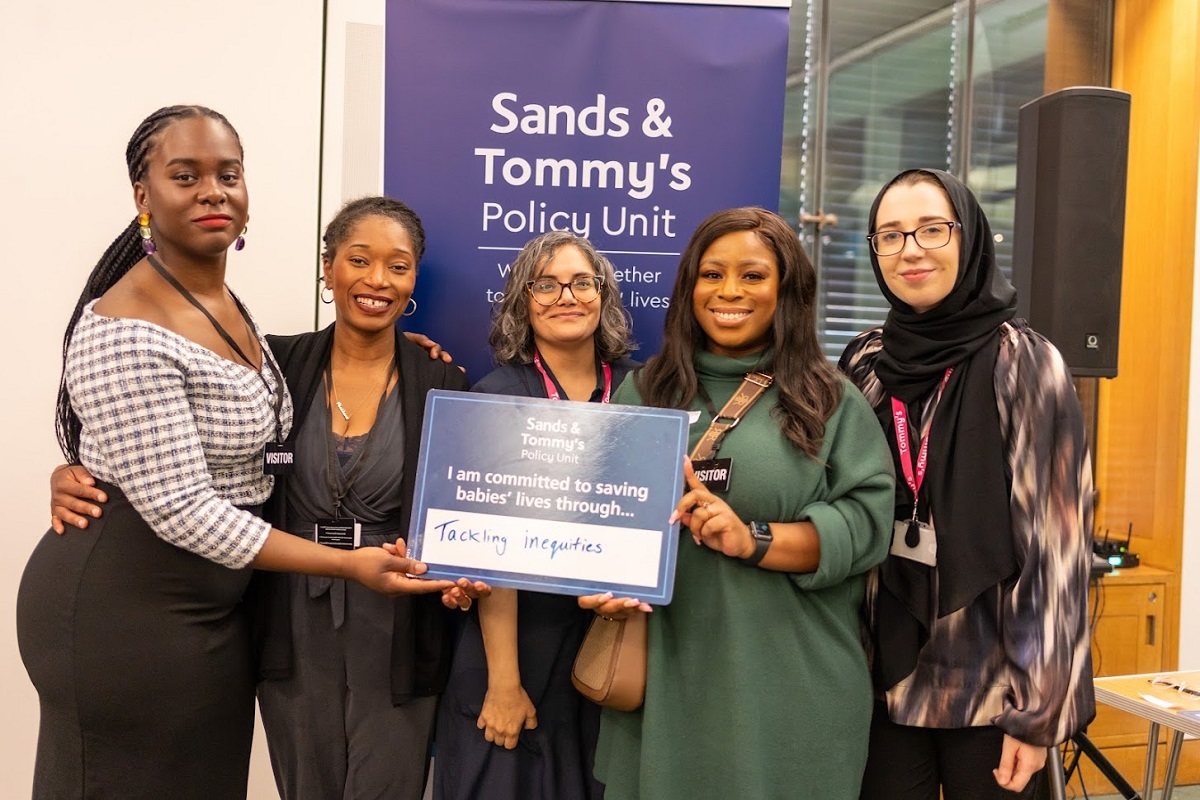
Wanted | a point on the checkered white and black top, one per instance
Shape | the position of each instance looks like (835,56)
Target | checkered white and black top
(178,429)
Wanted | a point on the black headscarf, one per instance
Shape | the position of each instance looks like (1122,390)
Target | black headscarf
(966,480)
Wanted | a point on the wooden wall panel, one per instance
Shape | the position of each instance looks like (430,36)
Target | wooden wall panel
(1143,412)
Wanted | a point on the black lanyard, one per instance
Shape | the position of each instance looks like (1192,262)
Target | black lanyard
(338,486)
(179,287)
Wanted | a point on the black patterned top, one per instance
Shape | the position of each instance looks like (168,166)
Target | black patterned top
(1018,656)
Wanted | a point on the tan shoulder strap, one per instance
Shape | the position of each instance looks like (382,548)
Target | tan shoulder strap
(752,388)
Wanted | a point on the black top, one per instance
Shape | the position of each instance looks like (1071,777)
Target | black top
(421,640)
(524,380)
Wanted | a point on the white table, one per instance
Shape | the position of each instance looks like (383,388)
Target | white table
(1129,692)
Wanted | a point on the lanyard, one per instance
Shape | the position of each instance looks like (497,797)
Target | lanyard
(229,340)
(914,478)
(552,390)
(338,487)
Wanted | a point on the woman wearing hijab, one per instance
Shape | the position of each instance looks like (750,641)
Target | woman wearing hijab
(978,632)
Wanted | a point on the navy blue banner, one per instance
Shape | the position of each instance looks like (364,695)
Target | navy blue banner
(626,122)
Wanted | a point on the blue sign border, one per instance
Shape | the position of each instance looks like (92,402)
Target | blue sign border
(444,414)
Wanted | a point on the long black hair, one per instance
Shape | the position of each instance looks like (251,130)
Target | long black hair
(121,255)
(809,387)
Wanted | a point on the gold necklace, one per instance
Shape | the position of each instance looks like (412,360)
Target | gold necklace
(338,403)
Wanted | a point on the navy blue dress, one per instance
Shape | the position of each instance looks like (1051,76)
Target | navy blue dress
(554,760)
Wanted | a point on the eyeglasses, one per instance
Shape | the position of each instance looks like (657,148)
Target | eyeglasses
(547,291)
(927,237)
(1181,686)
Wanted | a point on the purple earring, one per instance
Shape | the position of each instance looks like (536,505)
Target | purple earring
(147,239)
(241,240)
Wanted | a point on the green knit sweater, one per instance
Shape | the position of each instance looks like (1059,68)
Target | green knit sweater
(758,685)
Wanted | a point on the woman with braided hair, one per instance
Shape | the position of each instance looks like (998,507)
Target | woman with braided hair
(134,633)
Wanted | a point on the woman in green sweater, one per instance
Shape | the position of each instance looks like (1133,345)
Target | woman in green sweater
(757,682)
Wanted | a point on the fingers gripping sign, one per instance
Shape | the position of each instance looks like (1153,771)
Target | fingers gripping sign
(458,594)
(611,607)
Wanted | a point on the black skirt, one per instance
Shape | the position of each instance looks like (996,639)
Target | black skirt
(140,653)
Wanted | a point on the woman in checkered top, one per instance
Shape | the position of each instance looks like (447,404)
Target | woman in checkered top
(133,632)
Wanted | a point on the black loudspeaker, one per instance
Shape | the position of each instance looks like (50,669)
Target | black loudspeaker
(1069,231)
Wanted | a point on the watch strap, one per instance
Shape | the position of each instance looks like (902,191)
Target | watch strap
(763,537)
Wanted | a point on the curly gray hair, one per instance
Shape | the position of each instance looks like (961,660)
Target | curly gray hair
(511,336)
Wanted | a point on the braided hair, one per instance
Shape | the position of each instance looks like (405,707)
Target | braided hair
(355,211)
(121,255)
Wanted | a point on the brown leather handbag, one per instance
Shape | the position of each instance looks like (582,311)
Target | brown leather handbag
(610,667)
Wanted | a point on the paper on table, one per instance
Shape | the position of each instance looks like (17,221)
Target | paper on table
(1158,701)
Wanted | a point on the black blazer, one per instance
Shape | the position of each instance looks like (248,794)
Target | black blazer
(421,634)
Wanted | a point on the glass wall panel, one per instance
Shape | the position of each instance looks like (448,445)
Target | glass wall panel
(799,167)
(875,87)
(1008,70)
(889,107)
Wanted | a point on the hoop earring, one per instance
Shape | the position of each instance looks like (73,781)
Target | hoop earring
(408,313)
(241,240)
(325,289)
(143,221)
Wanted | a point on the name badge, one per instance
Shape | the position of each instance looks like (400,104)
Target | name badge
(279,458)
(344,533)
(915,541)
(714,473)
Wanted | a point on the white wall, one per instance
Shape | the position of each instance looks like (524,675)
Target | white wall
(1189,606)
(76,77)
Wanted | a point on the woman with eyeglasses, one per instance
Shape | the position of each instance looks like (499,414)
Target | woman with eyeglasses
(978,631)
(511,726)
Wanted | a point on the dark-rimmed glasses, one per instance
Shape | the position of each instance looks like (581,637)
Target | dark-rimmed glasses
(547,291)
(927,237)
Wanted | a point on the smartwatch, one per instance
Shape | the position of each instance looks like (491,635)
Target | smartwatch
(761,532)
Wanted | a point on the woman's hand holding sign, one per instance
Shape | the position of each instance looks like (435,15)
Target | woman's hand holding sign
(613,607)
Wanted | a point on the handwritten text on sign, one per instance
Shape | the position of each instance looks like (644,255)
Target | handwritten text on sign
(548,547)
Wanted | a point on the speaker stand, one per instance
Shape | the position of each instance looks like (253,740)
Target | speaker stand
(1084,747)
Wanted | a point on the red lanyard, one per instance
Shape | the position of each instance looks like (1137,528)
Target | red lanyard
(552,390)
(914,478)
